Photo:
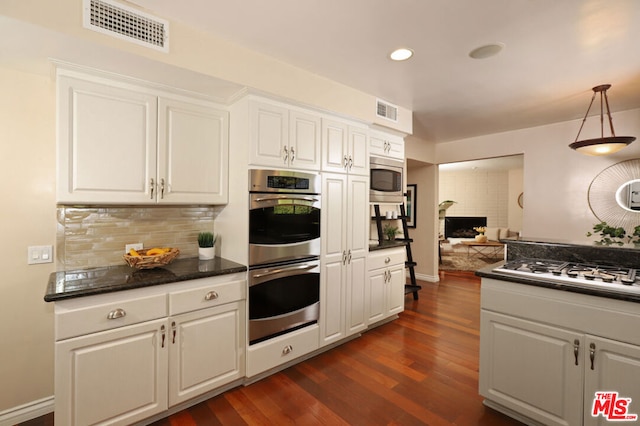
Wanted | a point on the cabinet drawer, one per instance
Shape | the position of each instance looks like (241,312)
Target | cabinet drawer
(208,292)
(101,313)
(385,258)
(280,350)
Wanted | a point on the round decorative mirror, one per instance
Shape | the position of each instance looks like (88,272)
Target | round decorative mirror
(614,194)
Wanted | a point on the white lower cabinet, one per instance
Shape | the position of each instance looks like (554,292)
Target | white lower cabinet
(113,372)
(275,352)
(205,351)
(544,353)
(385,290)
(114,377)
(531,369)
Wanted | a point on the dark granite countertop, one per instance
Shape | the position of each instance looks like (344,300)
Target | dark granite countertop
(488,272)
(86,282)
(387,245)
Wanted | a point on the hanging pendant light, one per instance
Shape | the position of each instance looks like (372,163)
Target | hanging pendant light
(602,145)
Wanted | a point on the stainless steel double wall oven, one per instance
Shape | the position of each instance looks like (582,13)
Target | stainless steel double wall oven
(284,252)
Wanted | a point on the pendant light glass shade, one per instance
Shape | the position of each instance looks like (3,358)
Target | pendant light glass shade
(603,145)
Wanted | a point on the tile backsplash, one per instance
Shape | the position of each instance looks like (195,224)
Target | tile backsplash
(89,237)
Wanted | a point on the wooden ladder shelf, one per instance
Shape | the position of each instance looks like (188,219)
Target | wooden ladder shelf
(413,287)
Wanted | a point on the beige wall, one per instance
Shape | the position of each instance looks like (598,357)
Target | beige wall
(28,217)
(424,247)
(555,179)
(27,134)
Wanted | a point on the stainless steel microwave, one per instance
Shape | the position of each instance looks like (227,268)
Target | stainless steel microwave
(386,184)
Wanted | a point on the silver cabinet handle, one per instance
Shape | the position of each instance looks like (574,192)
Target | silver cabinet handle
(344,257)
(162,330)
(592,353)
(116,313)
(173,332)
(345,162)
(152,186)
(212,295)
(162,188)
(349,257)
(576,349)
(293,154)
(287,349)
(286,154)
(350,163)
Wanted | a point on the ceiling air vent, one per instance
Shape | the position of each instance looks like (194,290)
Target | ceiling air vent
(387,111)
(109,17)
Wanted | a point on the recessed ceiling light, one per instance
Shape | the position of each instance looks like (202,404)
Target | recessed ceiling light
(486,51)
(401,54)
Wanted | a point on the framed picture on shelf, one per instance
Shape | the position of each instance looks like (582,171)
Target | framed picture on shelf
(412,192)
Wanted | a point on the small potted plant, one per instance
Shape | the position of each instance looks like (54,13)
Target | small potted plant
(206,245)
(390,231)
(481,238)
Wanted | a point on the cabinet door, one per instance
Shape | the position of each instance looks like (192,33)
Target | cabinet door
(384,145)
(376,295)
(616,367)
(114,377)
(334,253)
(206,350)
(106,143)
(335,146)
(305,141)
(531,368)
(269,135)
(193,148)
(356,295)
(358,215)
(395,290)
(358,151)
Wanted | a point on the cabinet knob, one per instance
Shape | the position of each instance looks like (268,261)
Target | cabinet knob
(116,313)
(212,295)
(387,260)
(287,349)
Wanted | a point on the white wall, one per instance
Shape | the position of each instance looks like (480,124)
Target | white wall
(477,193)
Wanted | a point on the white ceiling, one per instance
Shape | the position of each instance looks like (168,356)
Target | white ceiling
(556,51)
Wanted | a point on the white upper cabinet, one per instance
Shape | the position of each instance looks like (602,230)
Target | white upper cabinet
(386,145)
(192,153)
(345,148)
(284,137)
(120,143)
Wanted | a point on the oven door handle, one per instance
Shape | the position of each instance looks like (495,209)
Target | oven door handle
(286,197)
(281,270)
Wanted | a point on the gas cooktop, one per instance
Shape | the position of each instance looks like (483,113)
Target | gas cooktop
(606,278)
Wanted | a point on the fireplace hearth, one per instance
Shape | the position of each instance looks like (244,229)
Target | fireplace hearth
(462,226)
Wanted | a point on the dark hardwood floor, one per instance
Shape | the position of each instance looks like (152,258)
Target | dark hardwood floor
(421,369)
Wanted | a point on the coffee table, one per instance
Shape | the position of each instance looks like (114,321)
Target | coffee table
(489,249)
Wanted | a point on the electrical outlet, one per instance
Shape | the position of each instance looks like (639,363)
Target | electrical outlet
(39,254)
(135,246)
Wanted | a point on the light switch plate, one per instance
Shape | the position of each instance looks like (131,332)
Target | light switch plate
(39,254)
